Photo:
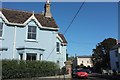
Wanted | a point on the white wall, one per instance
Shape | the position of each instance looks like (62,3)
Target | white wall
(85,61)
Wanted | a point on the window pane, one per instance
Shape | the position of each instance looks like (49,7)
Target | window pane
(31,56)
(29,29)
(0,33)
(57,47)
(34,29)
(1,29)
(28,57)
(31,32)
(1,25)
(29,36)
(57,44)
(21,56)
(33,36)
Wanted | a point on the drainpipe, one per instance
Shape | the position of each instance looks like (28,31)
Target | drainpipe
(14,43)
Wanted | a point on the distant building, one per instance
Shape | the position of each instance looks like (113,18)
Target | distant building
(85,60)
(115,57)
(31,36)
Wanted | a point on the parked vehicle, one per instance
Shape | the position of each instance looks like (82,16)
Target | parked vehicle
(73,73)
(79,73)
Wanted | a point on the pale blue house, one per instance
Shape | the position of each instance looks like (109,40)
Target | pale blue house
(31,36)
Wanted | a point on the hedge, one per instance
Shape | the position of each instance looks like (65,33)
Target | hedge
(26,69)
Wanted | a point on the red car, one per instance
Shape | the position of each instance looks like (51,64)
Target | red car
(81,73)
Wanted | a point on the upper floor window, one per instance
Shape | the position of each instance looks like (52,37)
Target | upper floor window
(31,32)
(57,47)
(1,29)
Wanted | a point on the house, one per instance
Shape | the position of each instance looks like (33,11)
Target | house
(115,57)
(85,60)
(31,36)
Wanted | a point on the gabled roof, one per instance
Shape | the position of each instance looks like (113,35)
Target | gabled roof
(17,16)
(62,37)
(116,46)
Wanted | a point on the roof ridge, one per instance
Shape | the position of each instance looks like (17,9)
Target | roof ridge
(18,10)
(20,16)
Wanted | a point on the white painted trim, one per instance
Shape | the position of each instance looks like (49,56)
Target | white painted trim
(59,38)
(27,21)
(2,37)
(31,40)
(41,57)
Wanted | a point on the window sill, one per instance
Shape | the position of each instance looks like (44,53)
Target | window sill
(58,52)
(1,38)
(31,41)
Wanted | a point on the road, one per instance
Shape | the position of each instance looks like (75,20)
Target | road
(67,77)
(91,77)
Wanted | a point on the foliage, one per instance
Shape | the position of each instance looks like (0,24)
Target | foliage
(27,69)
(71,58)
(80,66)
(100,56)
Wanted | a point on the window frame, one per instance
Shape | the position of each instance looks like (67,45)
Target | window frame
(27,32)
(32,55)
(57,47)
(2,30)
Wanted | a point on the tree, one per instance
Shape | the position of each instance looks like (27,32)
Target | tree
(71,58)
(100,56)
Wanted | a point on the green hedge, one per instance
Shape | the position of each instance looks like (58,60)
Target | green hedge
(27,69)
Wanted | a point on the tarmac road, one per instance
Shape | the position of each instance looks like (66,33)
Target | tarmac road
(94,76)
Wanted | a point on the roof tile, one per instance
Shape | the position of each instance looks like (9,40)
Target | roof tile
(17,16)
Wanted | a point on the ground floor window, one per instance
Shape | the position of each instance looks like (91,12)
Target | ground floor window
(40,58)
(31,56)
(21,56)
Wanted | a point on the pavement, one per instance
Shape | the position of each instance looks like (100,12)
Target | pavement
(58,76)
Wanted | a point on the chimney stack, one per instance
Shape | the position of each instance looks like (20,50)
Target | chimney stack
(47,9)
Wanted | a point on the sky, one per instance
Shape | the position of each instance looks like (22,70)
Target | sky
(95,22)
(60,0)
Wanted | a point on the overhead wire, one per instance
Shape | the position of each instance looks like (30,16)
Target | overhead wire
(69,25)
(74,17)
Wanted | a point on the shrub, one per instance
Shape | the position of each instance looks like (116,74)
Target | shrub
(27,69)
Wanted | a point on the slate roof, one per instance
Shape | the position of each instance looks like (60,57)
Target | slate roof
(17,16)
(62,37)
